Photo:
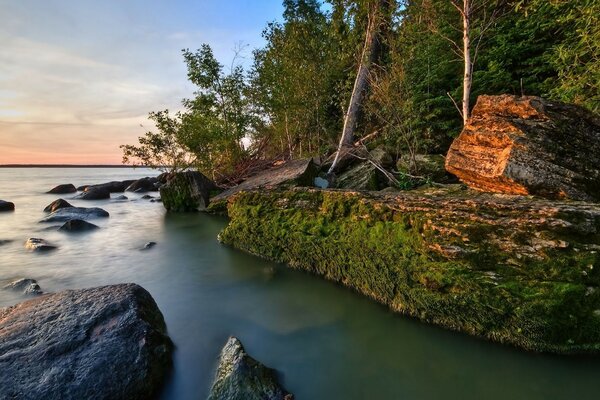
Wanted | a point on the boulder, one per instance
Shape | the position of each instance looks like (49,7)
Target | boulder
(63,189)
(121,198)
(429,167)
(290,174)
(65,214)
(5,241)
(25,286)
(103,343)
(57,205)
(529,146)
(37,244)
(147,197)
(365,175)
(148,245)
(77,225)
(6,206)
(92,193)
(240,377)
(82,188)
(186,191)
(111,187)
(143,185)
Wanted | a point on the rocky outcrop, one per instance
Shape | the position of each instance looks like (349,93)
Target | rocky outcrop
(78,225)
(512,269)
(111,187)
(25,286)
(97,193)
(240,377)
(143,185)
(528,145)
(37,244)
(63,189)
(66,214)
(366,175)
(186,191)
(57,205)
(6,206)
(103,343)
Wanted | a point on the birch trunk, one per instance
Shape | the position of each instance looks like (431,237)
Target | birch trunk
(468,78)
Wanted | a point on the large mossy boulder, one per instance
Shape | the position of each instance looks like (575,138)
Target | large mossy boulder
(528,145)
(366,175)
(241,377)
(186,191)
(103,343)
(512,269)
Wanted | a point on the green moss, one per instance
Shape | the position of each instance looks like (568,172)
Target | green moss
(543,303)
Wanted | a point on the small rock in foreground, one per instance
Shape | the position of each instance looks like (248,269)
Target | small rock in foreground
(66,214)
(103,343)
(57,205)
(240,377)
(37,244)
(63,189)
(6,206)
(25,285)
(149,245)
(78,225)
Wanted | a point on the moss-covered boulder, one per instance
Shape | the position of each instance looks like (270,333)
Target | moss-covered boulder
(365,175)
(186,191)
(511,269)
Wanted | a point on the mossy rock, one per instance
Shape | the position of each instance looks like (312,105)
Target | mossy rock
(186,191)
(511,269)
(431,167)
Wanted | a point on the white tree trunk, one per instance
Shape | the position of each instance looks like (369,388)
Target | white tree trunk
(468,77)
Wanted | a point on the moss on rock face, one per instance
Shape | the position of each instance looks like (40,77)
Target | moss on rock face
(512,269)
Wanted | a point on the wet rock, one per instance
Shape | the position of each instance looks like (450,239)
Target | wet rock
(37,244)
(186,191)
(143,185)
(82,188)
(121,198)
(147,197)
(94,194)
(65,214)
(78,225)
(149,245)
(240,377)
(57,205)
(5,241)
(528,145)
(25,286)
(63,189)
(157,200)
(102,343)
(111,187)
(6,206)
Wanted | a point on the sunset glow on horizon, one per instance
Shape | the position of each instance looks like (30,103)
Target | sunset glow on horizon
(78,79)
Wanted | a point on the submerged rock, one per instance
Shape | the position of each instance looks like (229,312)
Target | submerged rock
(512,269)
(149,245)
(26,286)
(78,225)
(37,244)
(5,241)
(97,193)
(102,343)
(65,214)
(57,205)
(63,189)
(121,198)
(111,187)
(240,377)
(6,206)
(186,191)
(528,145)
(143,185)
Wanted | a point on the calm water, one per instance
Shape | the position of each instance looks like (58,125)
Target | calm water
(327,342)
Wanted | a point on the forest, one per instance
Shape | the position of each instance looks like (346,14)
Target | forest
(400,73)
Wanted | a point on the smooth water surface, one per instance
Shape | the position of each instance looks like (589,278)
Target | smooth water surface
(327,342)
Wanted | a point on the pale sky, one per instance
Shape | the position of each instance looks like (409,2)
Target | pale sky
(78,77)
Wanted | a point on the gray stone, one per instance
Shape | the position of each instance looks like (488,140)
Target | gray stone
(149,245)
(240,377)
(63,189)
(37,244)
(102,343)
(111,187)
(6,206)
(78,225)
(91,193)
(65,214)
(143,185)
(57,205)
(25,285)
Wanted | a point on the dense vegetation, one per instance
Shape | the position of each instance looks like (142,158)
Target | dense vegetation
(292,100)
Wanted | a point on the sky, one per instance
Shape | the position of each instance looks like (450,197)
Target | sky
(78,77)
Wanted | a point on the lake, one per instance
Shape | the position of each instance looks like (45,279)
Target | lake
(326,341)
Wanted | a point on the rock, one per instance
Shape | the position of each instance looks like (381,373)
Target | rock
(57,205)
(240,377)
(63,189)
(26,286)
(157,200)
(65,214)
(512,269)
(121,198)
(430,167)
(529,146)
(94,194)
(143,185)
(293,173)
(5,241)
(37,244)
(364,175)
(6,206)
(111,187)
(102,343)
(147,197)
(186,191)
(78,225)
(82,188)
(321,182)
(149,245)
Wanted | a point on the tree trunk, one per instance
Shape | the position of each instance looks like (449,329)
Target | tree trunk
(360,85)
(468,78)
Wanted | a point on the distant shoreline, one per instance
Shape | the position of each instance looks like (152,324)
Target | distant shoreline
(65,166)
